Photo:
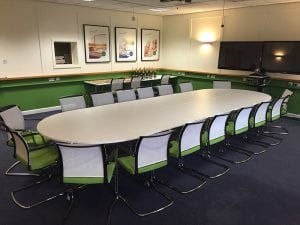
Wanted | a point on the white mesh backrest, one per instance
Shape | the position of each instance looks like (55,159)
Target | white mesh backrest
(185,87)
(221,84)
(72,103)
(260,114)
(13,118)
(286,92)
(117,84)
(277,107)
(126,95)
(165,89)
(153,150)
(191,136)
(242,120)
(82,161)
(145,92)
(217,128)
(136,82)
(20,147)
(165,79)
(102,99)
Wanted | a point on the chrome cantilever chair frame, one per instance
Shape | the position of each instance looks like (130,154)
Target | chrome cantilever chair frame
(223,121)
(150,182)
(260,119)
(243,116)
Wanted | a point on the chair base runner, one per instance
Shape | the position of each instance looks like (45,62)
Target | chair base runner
(285,131)
(249,151)
(9,173)
(207,159)
(184,170)
(229,147)
(260,133)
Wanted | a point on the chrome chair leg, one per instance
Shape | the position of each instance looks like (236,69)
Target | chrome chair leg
(249,151)
(228,147)
(9,173)
(186,171)
(207,159)
(284,130)
(260,133)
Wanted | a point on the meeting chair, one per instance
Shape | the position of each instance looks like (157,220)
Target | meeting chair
(274,113)
(221,84)
(99,99)
(117,84)
(146,92)
(238,126)
(126,95)
(83,165)
(165,79)
(215,135)
(38,159)
(185,87)
(12,118)
(166,89)
(189,142)
(286,93)
(74,102)
(151,153)
(258,119)
(135,82)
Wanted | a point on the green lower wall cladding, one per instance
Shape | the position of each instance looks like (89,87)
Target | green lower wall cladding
(40,93)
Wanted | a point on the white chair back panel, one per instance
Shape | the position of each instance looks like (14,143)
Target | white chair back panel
(153,150)
(136,82)
(117,84)
(185,87)
(13,118)
(191,136)
(20,147)
(242,120)
(145,92)
(72,103)
(82,161)
(102,99)
(126,95)
(221,84)
(165,89)
(286,93)
(277,107)
(260,114)
(217,128)
(165,79)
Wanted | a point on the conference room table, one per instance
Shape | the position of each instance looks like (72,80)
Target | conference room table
(127,121)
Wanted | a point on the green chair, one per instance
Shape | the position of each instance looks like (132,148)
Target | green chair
(12,118)
(215,135)
(39,158)
(238,125)
(151,153)
(275,112)
(83,165)
(257,121)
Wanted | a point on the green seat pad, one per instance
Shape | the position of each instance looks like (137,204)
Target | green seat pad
(32,140)
(174,150)
(206,142)
(231,131)
(252,124)
(204,138)
(42,158)
(128,163)
(92,180)
(283,110)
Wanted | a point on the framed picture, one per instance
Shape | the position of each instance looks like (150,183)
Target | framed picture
(150,45)
(125,44)
(96,43)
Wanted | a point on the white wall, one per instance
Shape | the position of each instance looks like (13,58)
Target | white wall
(182,34)
(28,28)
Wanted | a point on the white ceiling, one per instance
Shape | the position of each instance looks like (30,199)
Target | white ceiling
(175,7)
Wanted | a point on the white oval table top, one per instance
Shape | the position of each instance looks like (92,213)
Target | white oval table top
(128,120)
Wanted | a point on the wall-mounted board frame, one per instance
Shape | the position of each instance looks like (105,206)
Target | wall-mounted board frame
(150,41)
(96,43)
(126,44)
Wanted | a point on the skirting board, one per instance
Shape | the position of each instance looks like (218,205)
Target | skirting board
(41,110)
(291,115)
